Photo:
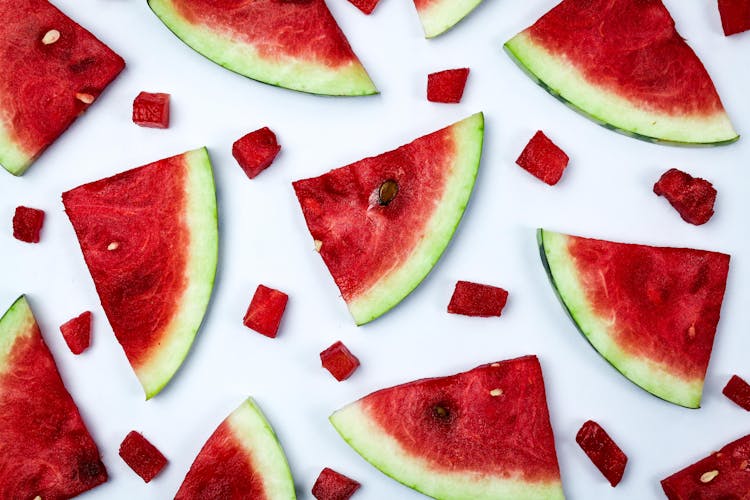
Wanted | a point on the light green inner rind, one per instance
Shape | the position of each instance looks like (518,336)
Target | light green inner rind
(313,77)
(560,78)
(379,448)
(200,271)
(601,331)
(442,15)
(392,288)
(12,156)
(17,322)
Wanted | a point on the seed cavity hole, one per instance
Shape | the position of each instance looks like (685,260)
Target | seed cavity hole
(387,192)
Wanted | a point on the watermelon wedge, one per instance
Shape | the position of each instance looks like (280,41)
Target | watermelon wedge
(651,312)
(241,459)
(288,43)
(150,239)
(623,64)
(47,452)
(481,434)
(438,16)
(382,223)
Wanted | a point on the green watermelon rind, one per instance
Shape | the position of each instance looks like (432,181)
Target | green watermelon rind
(241,58)
(17,322)
(558,77)
(442,15)
(648,375)
(12,157)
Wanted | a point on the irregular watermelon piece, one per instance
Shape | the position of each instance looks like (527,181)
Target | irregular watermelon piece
(692,197)
(77,332)
(735,16)
(382,223)
(339,360)
(475,299)
(150,239)
(27,224)
(151,110)
(650,311)
(438,16)
(366,6)
(331,485)
(724,474)
(738,391)
(606,59)
(543,159)
(256,151)
(484,433)
(52,70)
(266,310)
(603,451)
(241,459)
(142,456)
(47,451)
(292,44)
(447,85)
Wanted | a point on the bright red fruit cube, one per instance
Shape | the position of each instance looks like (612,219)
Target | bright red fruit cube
(142,456)
(603,451)
(256,151)
(692,197)
(266,310)
(738,391)
(338,360)
(475,299)
(543,159)
(735,16)
(331,485)
(447,86)
(151,110)
(77,332)
(366,6)
(27,224)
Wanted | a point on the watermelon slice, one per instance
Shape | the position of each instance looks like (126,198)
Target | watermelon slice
(482,434)
(331,485)
(738,391)
(27,224)
(241,459)
(46,450)
(382,223)
(289,43)
(650,311)
(623,64)
(150,239)
(438,16)
(52,70)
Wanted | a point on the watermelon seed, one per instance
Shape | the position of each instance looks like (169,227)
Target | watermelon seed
(495,365)
(84,98)
(496,392)
(709,476)
(441,412)
(113,246)
(50,37)
(318,245)
(743,465)
(691,332)
(387,192)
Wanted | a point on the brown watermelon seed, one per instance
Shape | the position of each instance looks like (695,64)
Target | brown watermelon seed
(387,192)
(709,476)
(50,37)
(84,98)
(496,392)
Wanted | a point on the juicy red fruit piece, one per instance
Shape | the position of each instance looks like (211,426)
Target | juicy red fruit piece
(447,86)
(366,6)
(475,299)
(543,159)
(265,311)
(143,457)
(27,224)
(151,110)
(77,332)
(331,485)
(692,197)
(738,391)
(603,451)
(735,16)
(256,151)
(338,360)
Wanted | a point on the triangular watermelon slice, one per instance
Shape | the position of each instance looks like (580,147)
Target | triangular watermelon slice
(46,450)
(438,16)
(241,459)
(382,223)
(623,64)
(150,239)
(295,44)
(650,311)
(481,434)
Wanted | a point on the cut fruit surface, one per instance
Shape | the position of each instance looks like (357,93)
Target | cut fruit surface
(143,457)
(481,434)
(650,311)
(338,360)
(735,16)
(292,44)
(27,224)
(265,311)
(150,240)
(256,151)
(447,86)
(366,6)
(692,197)
(77,332)
(151,110)
(438,16)
(381,224)
(603,451)
(738,391)
(543,159)
(475,299)
(331,485)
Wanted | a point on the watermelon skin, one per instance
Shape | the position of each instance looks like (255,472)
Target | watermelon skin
(667,302)
(154,290)
(438,16)
(293,44)
(607,60)
(355,232)
(242,459)
(481,434)
(47,451)
(40,82)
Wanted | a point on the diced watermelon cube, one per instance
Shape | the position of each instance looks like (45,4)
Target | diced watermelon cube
(692,197)
(366,6)
(331,485)
(447,86)
(27,224)
(738,391)
(603,451)
(77,332)
(265,311)
(338,360)
(256,151)
(735,16)
(475,299)
(143,457)
(151,110)
(543,159)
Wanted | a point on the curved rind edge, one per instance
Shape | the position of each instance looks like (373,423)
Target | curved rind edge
(443,15)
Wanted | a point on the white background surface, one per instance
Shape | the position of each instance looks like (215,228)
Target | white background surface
(606,192)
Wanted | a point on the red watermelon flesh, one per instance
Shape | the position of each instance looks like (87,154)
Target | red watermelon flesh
(447,86)
(77,332)
(151,110)
(475,299)
(338,360)
(366,6)
(692,197)
(543,159)
(331,485)
(738,391)
(27,224)
(265,311)
(47,451)
(256,151)
(143,457)
(735,16)
(603,451)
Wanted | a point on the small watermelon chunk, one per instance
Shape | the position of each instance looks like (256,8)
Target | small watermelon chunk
(266,310)
(331,485)
(438,16)
(475,299)
(543,159)
(447,85)
(738,391)
(366,6)
(603,451)
(735,16)
(724,474)
(338,360)
(151,110)
(77,332)
(692,197)
(27,224)
(142,456)
(256,151)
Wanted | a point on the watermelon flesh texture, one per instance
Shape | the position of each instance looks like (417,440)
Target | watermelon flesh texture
(77,332)
(481,434)
(738,391)
(27,224)
(603,451)
(293,44)
(381,224)
(143,457)
(332,485)
(265,311)
(52,70)
(735,16)
(242,459)
(692,197)
(256,151)
(150,240)
(438,16)
(447,86)
(47,451)
(338,360)
(543,159)
(151,110)
(623,64)
(652,312)
(366,6)
(476,299)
